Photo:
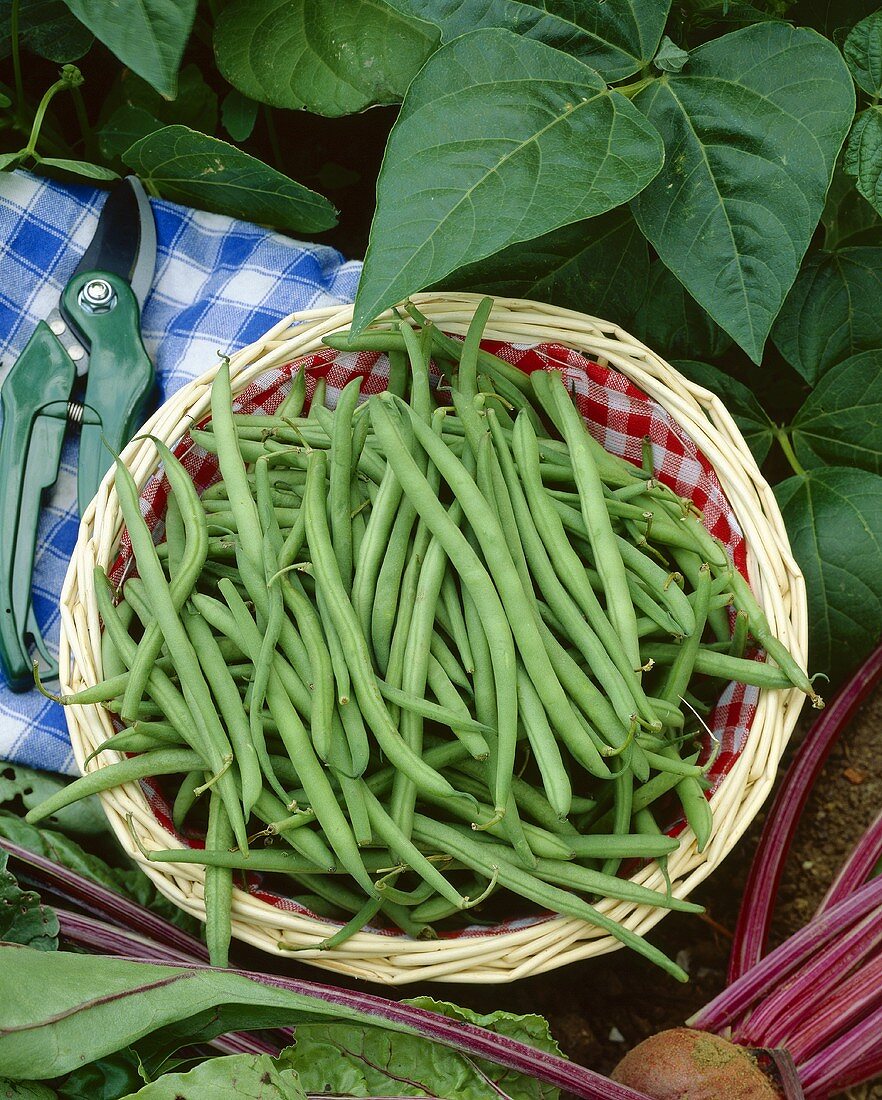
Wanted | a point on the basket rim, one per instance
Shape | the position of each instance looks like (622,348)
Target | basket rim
(556,940)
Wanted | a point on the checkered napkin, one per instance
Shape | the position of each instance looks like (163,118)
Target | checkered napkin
(219,284)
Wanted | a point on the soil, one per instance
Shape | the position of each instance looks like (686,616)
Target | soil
(600,1008)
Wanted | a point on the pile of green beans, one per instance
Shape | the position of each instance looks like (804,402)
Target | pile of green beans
(423,652)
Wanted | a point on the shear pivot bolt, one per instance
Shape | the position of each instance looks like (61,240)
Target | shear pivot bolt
(97,296)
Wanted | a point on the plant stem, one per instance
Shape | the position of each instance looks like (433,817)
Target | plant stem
(48,96)
(83,120)
(273,137)
(16,55)
(787,447)
(630,90)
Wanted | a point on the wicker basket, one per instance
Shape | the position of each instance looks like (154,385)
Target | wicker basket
(533,945)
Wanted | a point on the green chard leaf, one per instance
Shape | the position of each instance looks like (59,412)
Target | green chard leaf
(672,323)
(238,114)
(840,423)
(834,519)
(192,168)
(500,139)
(17,781)
(752,128)
(863,53)
(148,36)
(332,58)
(615,37)
(250,1076)
(46,28)
(22,918)
(833,311)
(749,415)
(351,1060)
(131,882)
(599,266)
(25,1090)
(863,155)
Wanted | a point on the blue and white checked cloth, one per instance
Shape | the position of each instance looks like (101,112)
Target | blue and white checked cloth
(219,284)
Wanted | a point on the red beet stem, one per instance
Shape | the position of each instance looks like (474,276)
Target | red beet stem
(834,1067)
(858,867)
(775,1018)
(725,1009)
(754,920)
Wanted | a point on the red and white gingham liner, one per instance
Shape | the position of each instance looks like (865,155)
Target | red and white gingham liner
(618,415)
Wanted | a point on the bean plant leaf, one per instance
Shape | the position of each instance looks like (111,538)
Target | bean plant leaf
(672,323)
(833,311)
(840,423)
(748,414)
(752,128)
(80,168)
(500,139)
(10,160)
(23,919)
(251,1076)
(238,114)
(350,1060)
(848,218)
(148,36)
(834,519)
(863,155)
(46,28)
(332,58)
(85,818)
(599,266)
(614,37)
(863,53)
(124,127)
(670,58)
(197,170)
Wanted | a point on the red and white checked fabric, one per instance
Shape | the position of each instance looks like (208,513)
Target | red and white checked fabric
(618,415)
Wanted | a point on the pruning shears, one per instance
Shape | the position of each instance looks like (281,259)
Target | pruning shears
(84,367)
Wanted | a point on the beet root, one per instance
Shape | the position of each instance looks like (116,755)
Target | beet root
(682,1064)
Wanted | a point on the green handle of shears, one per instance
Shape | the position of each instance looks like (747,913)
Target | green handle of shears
(120,381)
(34,400)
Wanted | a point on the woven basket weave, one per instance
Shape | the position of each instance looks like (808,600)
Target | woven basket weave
(528,946)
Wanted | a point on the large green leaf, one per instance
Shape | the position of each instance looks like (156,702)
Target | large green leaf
(82,168)
(673,324)
(22,918)
(24,1090)
(333,58)
(840,423)
(833,311)
(834,520)
(615,37)
(740,401)
(752,127)
(250,1076)
(45,27)
(198,170)
(599,266)
(500,140)
(347,1059)
(147,35)
(238,113)
(84,818)
(863,53)
(863,155)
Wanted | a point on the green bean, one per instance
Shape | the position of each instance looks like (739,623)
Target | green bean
(528,799)
(738,642)
(318,399)
(299,748)
(373,548)
(397,383)
(459,719)
(131,740)
(680,671)
(555,781)
(293,404)
(191,557)
(310,627)
(186,798)
(159,762)
(581,878)
(723,667)
(623,796)
(368,694)
(447,715)
(352,927)
(341,478)
(356,738)
(356,808)
(521,882)
(218,888)
(112,663)
(440,650)
(232,466)
(335,650)
(455,624)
